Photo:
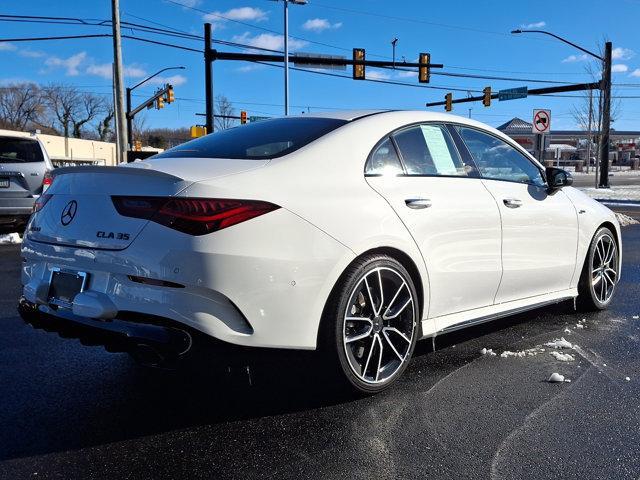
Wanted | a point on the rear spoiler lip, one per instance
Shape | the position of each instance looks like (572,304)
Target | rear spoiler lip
(96,169)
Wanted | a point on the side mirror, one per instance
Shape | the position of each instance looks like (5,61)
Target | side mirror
(558,178)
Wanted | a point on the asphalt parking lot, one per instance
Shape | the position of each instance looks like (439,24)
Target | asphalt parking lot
(68,411)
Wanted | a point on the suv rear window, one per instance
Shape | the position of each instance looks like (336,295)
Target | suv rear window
(260,140)
(18,150)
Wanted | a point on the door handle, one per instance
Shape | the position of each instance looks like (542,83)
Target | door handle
(512,202)
(418,203)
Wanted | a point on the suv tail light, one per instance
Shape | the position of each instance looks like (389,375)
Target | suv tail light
(195,216)
(41,202)
(47,181)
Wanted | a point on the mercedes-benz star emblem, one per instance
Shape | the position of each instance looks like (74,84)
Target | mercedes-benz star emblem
(69,212)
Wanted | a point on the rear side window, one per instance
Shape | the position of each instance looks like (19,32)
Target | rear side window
(384,160)
(18,150)
(497,160)
(429,150)
(260,140)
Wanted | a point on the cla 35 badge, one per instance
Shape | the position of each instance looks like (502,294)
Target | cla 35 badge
(116,235)
(68,213)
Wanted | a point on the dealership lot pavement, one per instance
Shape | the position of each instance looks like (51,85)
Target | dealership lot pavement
(68,411)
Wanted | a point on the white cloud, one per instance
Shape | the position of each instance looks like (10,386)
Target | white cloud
(26,52)
(190,3)
(635,73)
(619,68)
(533,25)
(268,41)
(575,58)
(175,80)
(7,47)
(217,18)
(377,75)
(320,24)
(104,70)
(620,53)
(249,68)
(406,74)
(70,64)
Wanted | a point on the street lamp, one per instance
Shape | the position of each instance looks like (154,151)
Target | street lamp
(605,87)
(129,90)
(286,50)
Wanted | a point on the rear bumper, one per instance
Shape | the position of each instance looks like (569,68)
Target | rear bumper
(155,339)
(16,206)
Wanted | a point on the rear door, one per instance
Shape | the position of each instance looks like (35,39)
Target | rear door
(540,231)
(448,211)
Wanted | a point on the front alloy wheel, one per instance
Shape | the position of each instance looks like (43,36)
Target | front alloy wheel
(376,327)
(600,272)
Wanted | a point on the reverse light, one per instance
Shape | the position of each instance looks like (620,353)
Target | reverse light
(195,216)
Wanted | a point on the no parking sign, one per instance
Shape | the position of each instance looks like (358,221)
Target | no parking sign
(541,121)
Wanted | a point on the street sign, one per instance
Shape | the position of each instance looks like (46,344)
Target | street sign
(299,55)
(541,121)
(512,93)
(257,119)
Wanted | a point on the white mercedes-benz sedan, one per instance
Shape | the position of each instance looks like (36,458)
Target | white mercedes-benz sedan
(355,234)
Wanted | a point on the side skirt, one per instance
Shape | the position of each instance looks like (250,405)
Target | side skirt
(460,320)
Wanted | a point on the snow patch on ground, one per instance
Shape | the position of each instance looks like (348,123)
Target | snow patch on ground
(618,192)
(556,378)
(563,357)
(625,220)
(488,351)
(627,379)
(559,343)
(10,238)
(530,352)
(636,317)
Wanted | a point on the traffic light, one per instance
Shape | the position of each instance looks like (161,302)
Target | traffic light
(424,74)
(486,100)
(448,98)
(197,131)
(358,69)
(243,117)
(137,145)
(170,95)
(160,102)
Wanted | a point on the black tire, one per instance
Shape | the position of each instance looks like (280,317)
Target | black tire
(345,357)
(597,296)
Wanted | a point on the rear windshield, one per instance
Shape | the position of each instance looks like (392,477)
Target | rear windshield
(263,139)
(18,150)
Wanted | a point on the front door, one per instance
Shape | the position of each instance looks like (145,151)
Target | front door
(539,230)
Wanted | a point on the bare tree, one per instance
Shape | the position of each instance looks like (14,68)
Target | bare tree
(223,109)
(20,106)
(104,127)
(71,110)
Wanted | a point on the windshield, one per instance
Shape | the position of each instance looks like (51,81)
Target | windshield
(260,140)
(19,150)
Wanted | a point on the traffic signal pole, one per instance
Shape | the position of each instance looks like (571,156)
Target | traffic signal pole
(208,77)
(606,117)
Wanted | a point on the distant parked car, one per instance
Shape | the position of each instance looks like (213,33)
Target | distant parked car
(24,175)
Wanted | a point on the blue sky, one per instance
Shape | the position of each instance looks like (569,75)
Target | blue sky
(468,37)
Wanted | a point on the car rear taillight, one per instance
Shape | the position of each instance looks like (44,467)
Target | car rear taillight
(195,216)
(41,202)
(46,181)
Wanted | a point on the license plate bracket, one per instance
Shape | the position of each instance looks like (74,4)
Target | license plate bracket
(64,285)
(4,182)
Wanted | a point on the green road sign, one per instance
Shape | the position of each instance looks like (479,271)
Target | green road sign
(512,93)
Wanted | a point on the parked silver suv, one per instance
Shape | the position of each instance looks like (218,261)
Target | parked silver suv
(24,175)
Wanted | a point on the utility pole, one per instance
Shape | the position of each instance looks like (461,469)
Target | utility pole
(286,57)
(393,45)
(286,50)
(606,117)
(208,78)
(121,124)
(589,130)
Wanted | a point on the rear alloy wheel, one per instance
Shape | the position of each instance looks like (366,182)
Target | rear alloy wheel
(600,272)
(375,322)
